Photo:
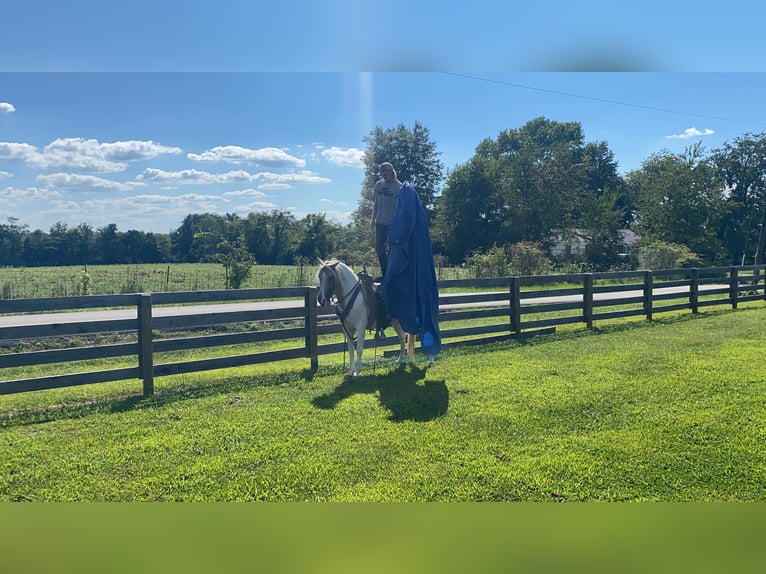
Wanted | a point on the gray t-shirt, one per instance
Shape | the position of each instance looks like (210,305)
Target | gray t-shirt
(386,195)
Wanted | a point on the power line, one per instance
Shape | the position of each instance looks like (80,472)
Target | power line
(738,79)
(603,100)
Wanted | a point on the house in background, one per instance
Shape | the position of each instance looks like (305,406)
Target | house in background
(571,246)
(629,239)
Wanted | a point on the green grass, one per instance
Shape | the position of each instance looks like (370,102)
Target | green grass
(669,410)
(30,282)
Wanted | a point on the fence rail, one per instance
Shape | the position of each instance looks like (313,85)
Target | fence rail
(291,315)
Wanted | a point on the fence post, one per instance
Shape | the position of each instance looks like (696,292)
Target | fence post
(648,288)
(515,305)
(733,286)
(145,356)
(312,338)
(694,290)
(588,300)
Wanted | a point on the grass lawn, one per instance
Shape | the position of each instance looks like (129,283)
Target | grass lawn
(668,410)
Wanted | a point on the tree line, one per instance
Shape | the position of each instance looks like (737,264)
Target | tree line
(521,191)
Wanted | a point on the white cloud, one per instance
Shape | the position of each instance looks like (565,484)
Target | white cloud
(20,151)
(691,133)
(275,186)
(78,182)
(268,178)
(256,206)
(7,108)
(350,156)
(342,217)
(87,155)
(267,157)
(125,212)
(5,175)
(114,151)
(194,176)
(14,195)
(245,193)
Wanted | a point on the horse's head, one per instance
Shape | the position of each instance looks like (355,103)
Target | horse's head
(326,275)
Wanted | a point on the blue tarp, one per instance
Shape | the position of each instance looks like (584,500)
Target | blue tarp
(412,296)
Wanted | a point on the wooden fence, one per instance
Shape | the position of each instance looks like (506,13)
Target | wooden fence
(499,307)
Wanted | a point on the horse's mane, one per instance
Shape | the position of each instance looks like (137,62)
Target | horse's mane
(332,263)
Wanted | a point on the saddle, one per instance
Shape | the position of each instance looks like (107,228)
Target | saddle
(374,298)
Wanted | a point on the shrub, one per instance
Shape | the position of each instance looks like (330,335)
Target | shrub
(663,255)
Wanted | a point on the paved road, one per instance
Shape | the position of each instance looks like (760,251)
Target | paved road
(130,313)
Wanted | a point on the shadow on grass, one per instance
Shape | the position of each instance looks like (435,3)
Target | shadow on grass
(400,392)
(125,403)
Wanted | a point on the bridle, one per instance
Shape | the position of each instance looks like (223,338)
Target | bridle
(342,306)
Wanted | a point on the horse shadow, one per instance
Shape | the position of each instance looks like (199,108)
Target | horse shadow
(400,391)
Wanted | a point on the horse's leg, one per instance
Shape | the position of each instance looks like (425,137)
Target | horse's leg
(350,343)
(359,348)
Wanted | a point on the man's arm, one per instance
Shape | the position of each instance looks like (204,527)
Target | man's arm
(374,207)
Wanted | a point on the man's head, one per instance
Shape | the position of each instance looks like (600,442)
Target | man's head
(387,171)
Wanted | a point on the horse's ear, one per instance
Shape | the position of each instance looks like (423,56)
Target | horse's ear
(320,261)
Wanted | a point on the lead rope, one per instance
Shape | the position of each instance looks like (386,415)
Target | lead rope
(375,351)
(343,313)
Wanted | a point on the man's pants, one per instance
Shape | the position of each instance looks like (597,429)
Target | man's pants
(381,246)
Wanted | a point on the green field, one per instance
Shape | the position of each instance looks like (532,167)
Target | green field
(668,410)
(30,282)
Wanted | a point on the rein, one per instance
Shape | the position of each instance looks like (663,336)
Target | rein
(342,306)
(343,313)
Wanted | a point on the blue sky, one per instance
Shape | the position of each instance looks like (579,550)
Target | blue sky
(143,150)
(140,113)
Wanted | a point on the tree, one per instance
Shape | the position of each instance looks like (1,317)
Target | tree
(57,235)
(107,244)
(237,262)
(282,227)
(602,219)
(742,165)
(470,213)
(12,237)
(271,237)
(680,202)
(415,159)
(604,207)
(182,240)
(38,249)
(542,173)
(255,229)
(81,240)
(316,237)
(528,184)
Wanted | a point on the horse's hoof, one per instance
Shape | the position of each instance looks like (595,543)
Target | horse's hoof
(431,360)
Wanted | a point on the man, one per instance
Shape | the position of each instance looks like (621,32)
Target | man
(384,197)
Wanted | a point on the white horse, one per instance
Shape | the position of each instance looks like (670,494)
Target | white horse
(337,280)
